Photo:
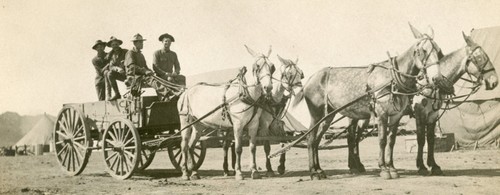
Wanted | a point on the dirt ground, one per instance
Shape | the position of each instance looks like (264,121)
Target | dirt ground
(466,172)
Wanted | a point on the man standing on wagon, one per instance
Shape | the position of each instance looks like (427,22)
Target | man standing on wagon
(100,63)
(137,70)
(116,69)
(165,61)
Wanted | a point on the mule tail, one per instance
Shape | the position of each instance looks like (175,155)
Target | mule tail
(298,98)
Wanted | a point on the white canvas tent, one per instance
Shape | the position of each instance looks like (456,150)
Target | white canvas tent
(40,134)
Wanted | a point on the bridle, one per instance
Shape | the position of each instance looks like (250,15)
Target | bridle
(288,80)
(258,68)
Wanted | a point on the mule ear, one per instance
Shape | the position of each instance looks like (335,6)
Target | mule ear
(467,39)
(269,52)
(432,31)
(283,61)
(415,32)
(297,60)
(251,51)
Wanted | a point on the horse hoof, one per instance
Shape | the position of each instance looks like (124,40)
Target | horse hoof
(315,176)
(423,172)
(354,171)
(361,168)
(270,174)
(281,170)
(185,177)
(238,177)
(194,177)
(394,174)
(384,174)
(256,175)
(322,175)
(436,171)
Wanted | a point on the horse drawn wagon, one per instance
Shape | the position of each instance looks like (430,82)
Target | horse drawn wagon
(128,131)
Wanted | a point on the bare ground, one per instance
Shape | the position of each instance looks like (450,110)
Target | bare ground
(466,172)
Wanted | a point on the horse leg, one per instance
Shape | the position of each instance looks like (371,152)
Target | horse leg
(252,132)
(435,169)
(267,150)
(225,147)
(389,153)
(420,123)
(382,138)
(351,134)
(310,151)
(195,136)
(186,135)
(281,167)
(359,133)
(238,133)
(323,127)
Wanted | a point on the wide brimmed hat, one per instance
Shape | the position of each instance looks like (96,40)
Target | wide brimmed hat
(166,35)
(137,37)
(98,42)
(111,39)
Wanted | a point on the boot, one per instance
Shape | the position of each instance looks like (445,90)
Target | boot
(114,85)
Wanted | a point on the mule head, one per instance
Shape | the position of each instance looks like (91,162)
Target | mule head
(291,74)
(426,54)
(483,69)
(263,70)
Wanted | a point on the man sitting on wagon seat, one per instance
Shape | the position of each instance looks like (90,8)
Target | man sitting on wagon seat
(165,60)
(116,69)
(138,72)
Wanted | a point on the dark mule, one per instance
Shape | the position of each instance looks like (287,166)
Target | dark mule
(427,105)
(331,88)
(270,123)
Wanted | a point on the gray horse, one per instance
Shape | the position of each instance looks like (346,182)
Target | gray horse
(427,105)
(386,82)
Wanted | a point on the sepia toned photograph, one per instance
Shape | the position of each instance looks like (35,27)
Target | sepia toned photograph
(250,97)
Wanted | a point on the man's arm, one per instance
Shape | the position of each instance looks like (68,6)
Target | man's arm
(176,65)
(96,64)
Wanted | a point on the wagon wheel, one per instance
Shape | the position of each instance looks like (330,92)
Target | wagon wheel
(121,144)
(147,157)
(72,139)
(175,155)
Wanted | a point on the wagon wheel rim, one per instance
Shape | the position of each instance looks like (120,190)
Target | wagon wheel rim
(147,157)
(120,145)
(71,141)
(175,155)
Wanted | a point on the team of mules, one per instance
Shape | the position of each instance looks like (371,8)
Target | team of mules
(383,90)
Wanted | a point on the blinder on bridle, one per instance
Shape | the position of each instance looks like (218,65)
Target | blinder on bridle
(289,78)
(423,71)
(476,59)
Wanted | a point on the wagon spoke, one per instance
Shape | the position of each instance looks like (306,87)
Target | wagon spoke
(78,131)
(110,156)
(117,132)
(126,135)
(62,134)
(78,156)
(70,159)
(114,162)
(128,163)
(128,153)
(63,125)
(129,141)
(79,138)
(122,164)
(80,146)
(62,150)
(196,154)
(112,135)
(177,154)
(130,148)
(79,153)
(111,142)
(68,121)
(59,142)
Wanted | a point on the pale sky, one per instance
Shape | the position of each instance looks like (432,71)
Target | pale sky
(45,50)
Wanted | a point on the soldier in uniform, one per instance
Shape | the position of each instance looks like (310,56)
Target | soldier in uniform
(165,62)
(137,70)
(100,63)
(116,68)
